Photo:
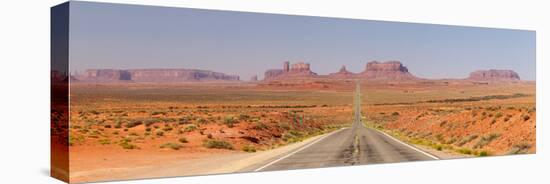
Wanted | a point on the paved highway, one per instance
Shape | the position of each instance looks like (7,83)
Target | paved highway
(349,146)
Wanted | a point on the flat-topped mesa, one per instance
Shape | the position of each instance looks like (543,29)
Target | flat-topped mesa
(299,69)
(393,70)
(494,75)
(342,73)
(154,75)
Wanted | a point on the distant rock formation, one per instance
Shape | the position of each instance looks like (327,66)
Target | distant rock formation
(153,75)
(273,73)
(342,73)
(393,70)
(494,75)
(254,78)
(295,70)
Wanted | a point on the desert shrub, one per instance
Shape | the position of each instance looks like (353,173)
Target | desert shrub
(292,136)
(148,129)
(126,144)
(202,120)
(115,133)
(118,124)
(94,112)
(174,146)
(150,122)
(133,134)
(451,141)
(465,151)
(183,140)
(249,148)
(158,113)
(466,139)
(217,144)
(209,136)
(133,123)
(190,128)
(439,137)
(395,114)
(284,126)
(75,139)
(159,133)
(483,154)
(498,115)
(259,126)
(526,117)
(244,117)
(167,128)
(184,120)
(531,110)
(104,141)
(229,121)
(486,140)
(521,148)
(125,129)
(107,126)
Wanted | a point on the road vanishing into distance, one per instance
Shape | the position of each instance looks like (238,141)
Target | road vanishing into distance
(355,145)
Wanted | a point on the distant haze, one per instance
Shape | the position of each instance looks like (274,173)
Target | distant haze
(246,44)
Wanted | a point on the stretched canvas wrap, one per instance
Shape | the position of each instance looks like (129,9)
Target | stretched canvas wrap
(146,92)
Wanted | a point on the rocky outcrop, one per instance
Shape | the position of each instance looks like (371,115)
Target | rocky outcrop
(342,73)
(295,70)
(392,70)
(494,75)
(154,75)
(272,74)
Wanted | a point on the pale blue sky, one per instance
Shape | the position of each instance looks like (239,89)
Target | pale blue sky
(246,44)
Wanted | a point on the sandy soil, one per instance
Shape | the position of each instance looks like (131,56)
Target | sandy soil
(106,164)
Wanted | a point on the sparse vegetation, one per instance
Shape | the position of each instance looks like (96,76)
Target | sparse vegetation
(217,144)
(229,121)
(183,140)
(521,148)
(190,128)
(249,148)
(104,141)
(126,144)
(174,146)
(486,140)
(159,133)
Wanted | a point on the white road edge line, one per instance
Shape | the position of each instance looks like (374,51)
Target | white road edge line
(412,147)
(294,152)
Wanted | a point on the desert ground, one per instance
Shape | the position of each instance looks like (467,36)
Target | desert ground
(140,130)
(117,126)
(477,119)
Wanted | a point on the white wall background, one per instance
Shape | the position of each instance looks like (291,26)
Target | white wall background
(24,93)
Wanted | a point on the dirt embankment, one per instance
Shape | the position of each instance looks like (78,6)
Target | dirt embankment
(483,127)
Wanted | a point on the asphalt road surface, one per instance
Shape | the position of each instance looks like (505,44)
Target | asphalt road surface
(355,145)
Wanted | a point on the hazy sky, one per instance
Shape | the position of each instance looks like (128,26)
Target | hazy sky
(246,44)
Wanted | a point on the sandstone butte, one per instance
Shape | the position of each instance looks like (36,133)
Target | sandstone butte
(392,70)
(374,70)
(494,75)
(153,75)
